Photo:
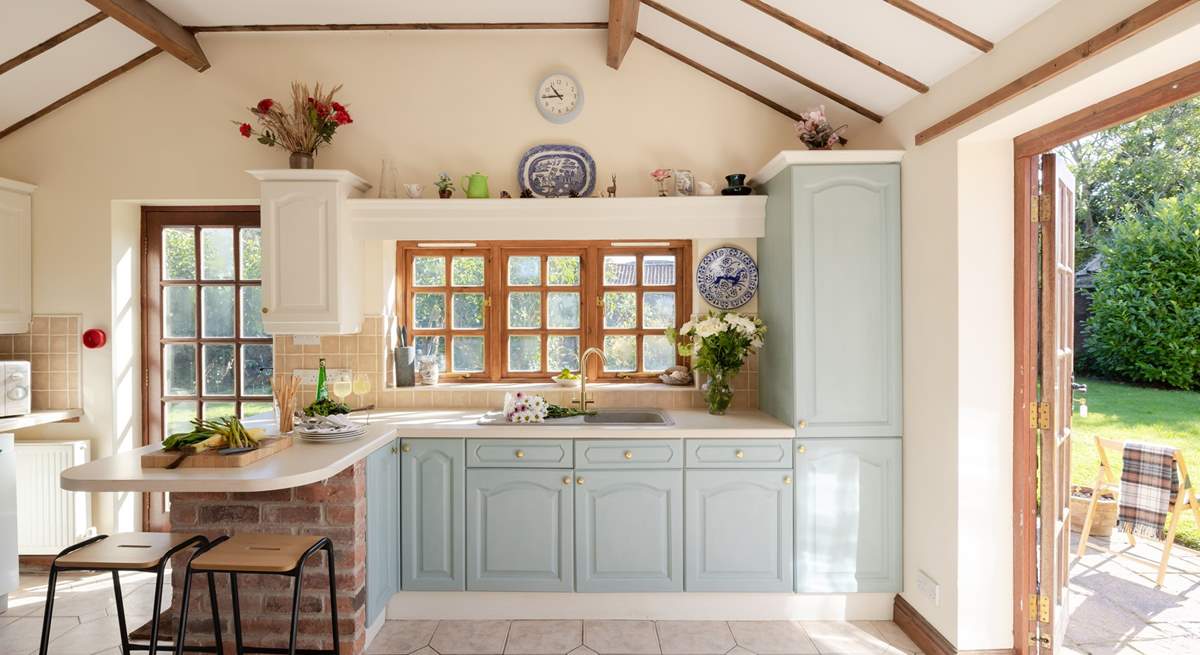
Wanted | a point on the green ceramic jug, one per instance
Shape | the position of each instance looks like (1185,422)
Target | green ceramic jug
(475,185)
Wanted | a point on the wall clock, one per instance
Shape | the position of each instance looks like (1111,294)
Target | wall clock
(727,277)
(559,97)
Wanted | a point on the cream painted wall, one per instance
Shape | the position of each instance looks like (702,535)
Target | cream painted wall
(432,101)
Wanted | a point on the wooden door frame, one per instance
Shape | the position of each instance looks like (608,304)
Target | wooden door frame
(1169,89)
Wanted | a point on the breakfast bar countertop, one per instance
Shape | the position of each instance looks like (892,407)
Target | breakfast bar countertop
(304,463)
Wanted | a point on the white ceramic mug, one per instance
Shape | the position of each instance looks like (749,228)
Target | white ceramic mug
(414,190)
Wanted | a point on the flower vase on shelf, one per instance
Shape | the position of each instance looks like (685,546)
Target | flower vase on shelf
(718,392)
(301,160)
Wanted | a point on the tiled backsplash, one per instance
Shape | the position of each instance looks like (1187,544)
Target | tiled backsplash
(52,348)
(366,352)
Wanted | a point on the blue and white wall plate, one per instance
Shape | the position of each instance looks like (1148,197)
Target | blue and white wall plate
(554,171)
(727,277)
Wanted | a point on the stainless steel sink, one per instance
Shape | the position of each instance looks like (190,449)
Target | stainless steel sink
(602,417)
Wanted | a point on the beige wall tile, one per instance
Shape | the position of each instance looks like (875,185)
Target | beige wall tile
(60,325)
(40,343)
(41,325)
(57,363)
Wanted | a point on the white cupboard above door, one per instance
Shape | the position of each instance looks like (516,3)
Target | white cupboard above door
(312,263)
(16,263)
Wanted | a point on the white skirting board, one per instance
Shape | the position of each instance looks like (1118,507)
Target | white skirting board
(481,605)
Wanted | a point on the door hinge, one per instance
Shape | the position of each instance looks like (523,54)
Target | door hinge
(1042,640)
(1044,608)
(1043,416)
(1039,208)
(1033,415)
(145,377)
(1033,603)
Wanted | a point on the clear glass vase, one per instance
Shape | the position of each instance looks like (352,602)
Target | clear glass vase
(718,392)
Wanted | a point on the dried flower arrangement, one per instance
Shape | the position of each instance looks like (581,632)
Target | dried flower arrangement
(312,121)
(815,132)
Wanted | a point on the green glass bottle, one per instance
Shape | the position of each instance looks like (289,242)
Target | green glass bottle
(322,392)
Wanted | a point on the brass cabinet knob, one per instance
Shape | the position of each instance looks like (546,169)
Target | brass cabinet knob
(406,448)
(566,479)
(787,479)
(802,424)
(394,450)
(265,310)
(739,454)
(579,481)
(520,454)
(628,454)
(800,449)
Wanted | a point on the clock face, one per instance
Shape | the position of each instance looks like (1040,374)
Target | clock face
(559,97)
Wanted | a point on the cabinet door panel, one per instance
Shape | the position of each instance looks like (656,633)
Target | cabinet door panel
(519,534)
(432,523)
(738,530)
(383,528)
(848,515)
(629,531)
(16,281)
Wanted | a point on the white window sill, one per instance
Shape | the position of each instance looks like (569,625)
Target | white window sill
(548,386)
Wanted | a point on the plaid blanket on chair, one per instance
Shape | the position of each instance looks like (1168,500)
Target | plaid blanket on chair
(1149,485)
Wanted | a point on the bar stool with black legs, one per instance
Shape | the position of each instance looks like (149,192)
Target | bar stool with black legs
(269,554)
(129,551)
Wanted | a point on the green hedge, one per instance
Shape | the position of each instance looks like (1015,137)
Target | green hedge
(1145,314)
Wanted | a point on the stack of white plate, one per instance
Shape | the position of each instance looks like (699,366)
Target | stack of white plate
(332,432)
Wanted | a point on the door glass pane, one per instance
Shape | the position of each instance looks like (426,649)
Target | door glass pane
(178,253)
(218,369)
(525,271)
(429,310)
(256,369)
(467,354)
(620,270)
(658,270)
(216,303)
(658,354)
(525,353)
(562,310)
(251,253)
(466,271)
(256,409)
(179,369)
(219,409)
(620,310)
(216,253)
(179,312)
(252,325)
(562,351)
(468,311)
(658,309)
(177,416)
(525,310)
(620,351)
(429,271)
(432,346)
(562,271)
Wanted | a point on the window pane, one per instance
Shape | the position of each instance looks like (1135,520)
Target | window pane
(216,253)
(562,310)
(468,311)
(429,310)
(429,271)
(525,353)
(179,253)
(658,354)
(177,416)
(179,369)
(256,369)
(620,351)
(658,309)
(255,409)
(562,271)
(218,369)
(252,325)
(525,271)
(216,304)
(562,352)
(251,253)
(427,346)
(620,309)
(525,309)
(179,312)
(466,271)
(217,410)
(467,354)
(620,270)
(658,270)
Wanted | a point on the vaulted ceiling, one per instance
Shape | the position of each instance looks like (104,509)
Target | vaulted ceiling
(863,56)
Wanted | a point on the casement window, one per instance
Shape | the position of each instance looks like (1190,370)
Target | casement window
(527,310)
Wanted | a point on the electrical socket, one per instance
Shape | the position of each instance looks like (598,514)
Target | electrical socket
(929,588)
(306,340)
(309,375)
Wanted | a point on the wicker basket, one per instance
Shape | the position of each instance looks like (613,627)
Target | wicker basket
(1106,511)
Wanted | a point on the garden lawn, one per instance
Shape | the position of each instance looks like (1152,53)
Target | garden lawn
(1131,413)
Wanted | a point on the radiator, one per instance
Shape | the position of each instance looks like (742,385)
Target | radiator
(48,518)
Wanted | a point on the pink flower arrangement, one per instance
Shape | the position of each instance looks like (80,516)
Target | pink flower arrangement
(815,132)
(661,175)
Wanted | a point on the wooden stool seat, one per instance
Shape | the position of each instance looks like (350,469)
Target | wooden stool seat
(125,551)
(256,553)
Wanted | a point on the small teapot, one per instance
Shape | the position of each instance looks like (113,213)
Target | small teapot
(475,185)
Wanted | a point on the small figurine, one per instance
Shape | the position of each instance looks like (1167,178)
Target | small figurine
(526,193)
(505,194)
(611,191)
(573,193)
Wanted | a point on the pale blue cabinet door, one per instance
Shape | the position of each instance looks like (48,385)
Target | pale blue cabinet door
(738,530)
(383,528)
(431,518)
(519,530)
(629,531)
(848,515)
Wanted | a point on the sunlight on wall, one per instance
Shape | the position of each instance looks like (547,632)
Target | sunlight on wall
(124,342)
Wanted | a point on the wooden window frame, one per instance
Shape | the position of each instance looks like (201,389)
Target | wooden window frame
(544,288)
(405,257)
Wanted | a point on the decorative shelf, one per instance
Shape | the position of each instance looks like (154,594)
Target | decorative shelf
(789,157)
(39,417)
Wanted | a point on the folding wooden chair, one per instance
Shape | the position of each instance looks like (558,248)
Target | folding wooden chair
(1107,479)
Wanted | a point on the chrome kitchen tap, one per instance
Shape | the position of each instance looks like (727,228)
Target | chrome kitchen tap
(583,401)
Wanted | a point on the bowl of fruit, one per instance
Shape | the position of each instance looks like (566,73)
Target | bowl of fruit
(566,378)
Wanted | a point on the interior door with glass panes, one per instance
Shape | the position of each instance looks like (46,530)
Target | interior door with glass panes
(205,353)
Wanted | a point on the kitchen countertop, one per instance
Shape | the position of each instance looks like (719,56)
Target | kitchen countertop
(39,417)
(305,463)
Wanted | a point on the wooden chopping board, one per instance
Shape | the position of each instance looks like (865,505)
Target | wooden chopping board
(214,460)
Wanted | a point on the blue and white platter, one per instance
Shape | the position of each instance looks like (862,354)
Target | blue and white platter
(554,171)
(727,277)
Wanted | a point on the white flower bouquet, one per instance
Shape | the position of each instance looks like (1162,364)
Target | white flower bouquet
(720,343)
(521,407)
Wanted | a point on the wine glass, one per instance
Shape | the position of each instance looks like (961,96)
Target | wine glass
(342,388)
(362,387)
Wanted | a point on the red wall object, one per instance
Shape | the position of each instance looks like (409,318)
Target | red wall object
(94,338)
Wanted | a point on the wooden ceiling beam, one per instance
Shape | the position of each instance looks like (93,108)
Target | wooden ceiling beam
(773,65)
(157,28)
(622,26)
(949,27)
(51,42)
(371,27)
(842,47)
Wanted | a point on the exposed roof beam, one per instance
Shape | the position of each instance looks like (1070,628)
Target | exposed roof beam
(157,28)
(836,44)
(953,29)
(127,66)
(773,65)
(51,42)
(1148,16)
(622,25)
(368,27)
